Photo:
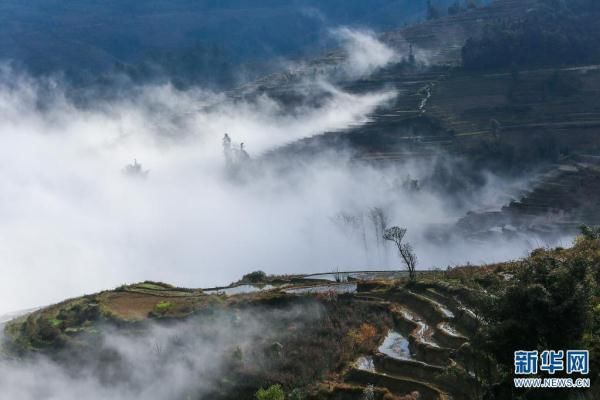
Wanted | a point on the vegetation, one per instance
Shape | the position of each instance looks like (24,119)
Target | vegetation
(550,300)
(296,394)
(396,234)
(255,277)
(590,232)
(294,353)
(432,11)
(274,392)
(163,306)
(363,337)
(554,33)
(454,8)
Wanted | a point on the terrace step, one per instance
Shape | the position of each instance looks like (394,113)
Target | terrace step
(421,337)
(420,371)
(397,384)
(412,369)
(464,319)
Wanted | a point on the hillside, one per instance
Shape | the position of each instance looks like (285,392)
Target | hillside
(437,336)
(508,121)
(190,42)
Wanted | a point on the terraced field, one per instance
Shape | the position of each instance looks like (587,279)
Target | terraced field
(512,123)
(415,353)
(385,338)
(559,201)
(430,330)
(441,107)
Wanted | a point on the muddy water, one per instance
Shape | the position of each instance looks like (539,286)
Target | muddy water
(363,276)
(333,277)
(239,290)
(365,364)
(396,346)
(425,334)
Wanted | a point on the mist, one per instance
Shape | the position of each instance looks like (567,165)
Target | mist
(75,223)
(182,360)
(365,53)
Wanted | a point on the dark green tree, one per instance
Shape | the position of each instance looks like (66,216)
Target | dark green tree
(432,11)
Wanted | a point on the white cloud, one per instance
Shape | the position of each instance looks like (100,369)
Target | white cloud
(72,223)
(365,54)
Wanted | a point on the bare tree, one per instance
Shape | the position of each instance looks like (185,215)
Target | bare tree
(379,221)
(396,234)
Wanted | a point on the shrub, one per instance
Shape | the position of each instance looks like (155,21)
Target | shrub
(48,329)
(550,304)
(274,392)
(162,307)
(368,331)
(255,277)
(590,232)
(238,354)
(363,335)
(297,394)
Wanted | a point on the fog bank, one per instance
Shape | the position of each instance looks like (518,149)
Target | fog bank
(182,360)
(73,222)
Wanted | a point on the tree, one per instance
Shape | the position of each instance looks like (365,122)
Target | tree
(396,234)
(549,288)
(590,232)
(552,33)
(454,8)
(432,12)
(473,4)
(379,221)
(255,277)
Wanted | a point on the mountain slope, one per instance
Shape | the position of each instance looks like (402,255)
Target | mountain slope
(189,41)
(447,335)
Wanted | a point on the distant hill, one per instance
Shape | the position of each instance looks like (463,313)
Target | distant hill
(190,41)
(507,118)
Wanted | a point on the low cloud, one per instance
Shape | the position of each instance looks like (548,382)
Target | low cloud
(365,53)
(176,361)
(74,223)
